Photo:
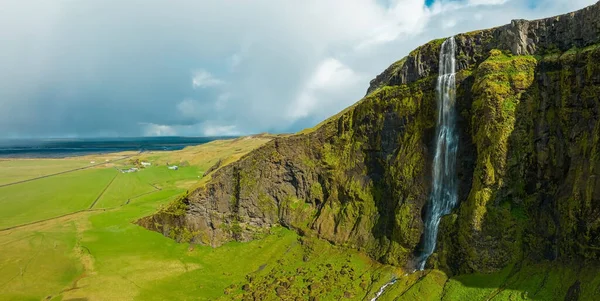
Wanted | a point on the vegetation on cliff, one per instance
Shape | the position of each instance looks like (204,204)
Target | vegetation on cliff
(528,97)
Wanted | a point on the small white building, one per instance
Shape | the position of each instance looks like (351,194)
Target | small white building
(146,164)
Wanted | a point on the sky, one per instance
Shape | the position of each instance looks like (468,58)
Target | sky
(110,68)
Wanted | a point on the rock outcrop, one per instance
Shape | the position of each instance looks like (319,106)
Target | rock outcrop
(528,97)
(521,37)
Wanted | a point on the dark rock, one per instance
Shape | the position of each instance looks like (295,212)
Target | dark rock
(573,292)
(213,168)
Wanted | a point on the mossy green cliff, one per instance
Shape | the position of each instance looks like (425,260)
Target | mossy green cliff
(528,97)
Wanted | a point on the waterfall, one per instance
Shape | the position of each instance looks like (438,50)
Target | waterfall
(443,195)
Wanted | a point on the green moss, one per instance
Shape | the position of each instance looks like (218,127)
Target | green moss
(316,191)
(267,205)
(178,207)
(308,162)
(500,82)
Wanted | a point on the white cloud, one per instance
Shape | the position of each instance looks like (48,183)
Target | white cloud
(487,2)
(449,24)
(403,17)
(330,77)
(151,129)
(220,130)
(204,79)
(191,108)
(198,129)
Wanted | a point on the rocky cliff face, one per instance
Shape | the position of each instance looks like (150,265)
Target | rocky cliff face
(520,37)
(528,96)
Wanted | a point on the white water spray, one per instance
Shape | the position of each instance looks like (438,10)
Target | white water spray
(443,195)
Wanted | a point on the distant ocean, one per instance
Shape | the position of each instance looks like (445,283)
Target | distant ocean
(60,148)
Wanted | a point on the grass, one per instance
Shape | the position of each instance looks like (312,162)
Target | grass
(51,197)
(25,169)
(123,188)
(161,176)
(18,170)
(215,269)
(310,267)
(103,255)
(475,286)
(38,261)
(529,281)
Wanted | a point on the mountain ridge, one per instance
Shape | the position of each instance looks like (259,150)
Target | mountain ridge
(527,97)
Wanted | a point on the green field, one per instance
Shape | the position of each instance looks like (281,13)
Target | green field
(12,171)
(126,186)
(71,236)
(18,170)
(53,196)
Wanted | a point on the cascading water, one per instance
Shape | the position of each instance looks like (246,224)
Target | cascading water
(443,195)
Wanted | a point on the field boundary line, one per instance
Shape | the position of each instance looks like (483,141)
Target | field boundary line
(51,218)
(156,189)
(103,190)
(64,172)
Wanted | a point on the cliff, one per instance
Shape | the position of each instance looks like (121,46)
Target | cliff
(528,96)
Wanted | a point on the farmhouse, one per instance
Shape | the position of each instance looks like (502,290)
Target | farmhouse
(133,169)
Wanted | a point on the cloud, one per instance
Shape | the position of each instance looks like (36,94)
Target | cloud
(151,129)
(222,101)
(192,109)
(487,2)
(203,79)
(196,129)
(237,58)
(220,130)
(330,76)
(277,66)
(404,17)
